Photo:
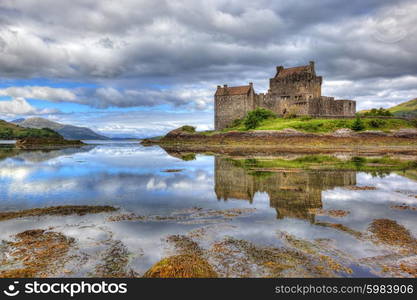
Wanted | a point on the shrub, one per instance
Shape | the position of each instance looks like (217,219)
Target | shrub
(378,112)
(414,122)
(377,123)
(357,125)
(188,128)
(255,117)
(236,123)
(188,157)
(358,161)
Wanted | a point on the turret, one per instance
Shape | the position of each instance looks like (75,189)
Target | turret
(312,67)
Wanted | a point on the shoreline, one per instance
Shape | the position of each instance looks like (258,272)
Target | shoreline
(402,141)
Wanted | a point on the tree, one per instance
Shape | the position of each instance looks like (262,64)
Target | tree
(255,117)
(358,124)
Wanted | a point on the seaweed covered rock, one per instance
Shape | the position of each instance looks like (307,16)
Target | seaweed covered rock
(181,266)
(36,253)
(34,143)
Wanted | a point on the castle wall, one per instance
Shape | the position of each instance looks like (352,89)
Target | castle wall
(328,106)
(229,108)
(296,87)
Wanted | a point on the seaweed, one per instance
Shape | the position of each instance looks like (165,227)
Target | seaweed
(80,210)
(36,253)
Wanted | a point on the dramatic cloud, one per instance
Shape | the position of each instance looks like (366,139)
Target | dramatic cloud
(106,97)
(19,106)
(150,53)
(40,92)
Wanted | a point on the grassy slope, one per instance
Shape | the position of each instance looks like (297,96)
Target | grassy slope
(406,108)
(326,125)
(12,131)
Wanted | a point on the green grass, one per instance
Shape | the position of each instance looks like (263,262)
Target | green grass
(408,108)
(12,131)
(327,125)
(327,162)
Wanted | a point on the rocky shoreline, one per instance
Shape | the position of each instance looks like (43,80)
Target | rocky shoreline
(289,140)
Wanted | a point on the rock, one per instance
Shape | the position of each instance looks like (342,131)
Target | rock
(371,133)
(409,133)
(343,132)
(179,132)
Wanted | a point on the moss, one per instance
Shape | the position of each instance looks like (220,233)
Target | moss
(56,211)
(181,266)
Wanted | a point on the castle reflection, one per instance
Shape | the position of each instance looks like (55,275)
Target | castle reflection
(293,193)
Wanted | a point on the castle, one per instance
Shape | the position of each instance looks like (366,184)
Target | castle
(295,91)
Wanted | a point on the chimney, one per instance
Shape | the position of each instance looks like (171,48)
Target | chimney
(312,65)
(218,86)
(225,86)
(251,84)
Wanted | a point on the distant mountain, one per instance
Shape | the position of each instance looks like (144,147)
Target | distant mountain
(17,120)
(405,109)
(69,132)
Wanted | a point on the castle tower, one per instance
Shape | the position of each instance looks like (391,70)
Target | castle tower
(297,83)
(232,103)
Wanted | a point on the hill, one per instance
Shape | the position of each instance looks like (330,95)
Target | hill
(69,132)
(10,131)
(406,109)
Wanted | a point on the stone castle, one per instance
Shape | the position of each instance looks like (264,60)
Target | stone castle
(295,91)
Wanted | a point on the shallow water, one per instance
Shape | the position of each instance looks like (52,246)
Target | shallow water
(179,197)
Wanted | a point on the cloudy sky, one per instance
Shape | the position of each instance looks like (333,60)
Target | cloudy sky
(142,67)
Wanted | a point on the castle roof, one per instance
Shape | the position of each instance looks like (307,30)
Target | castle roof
(290,71)
(233,90)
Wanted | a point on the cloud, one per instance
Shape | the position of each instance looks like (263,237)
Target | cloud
(105,97)
(19,106)
(40,92)
(147,53)
(185,40)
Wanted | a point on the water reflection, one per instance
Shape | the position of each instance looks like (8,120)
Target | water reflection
(257,207)
(291,193)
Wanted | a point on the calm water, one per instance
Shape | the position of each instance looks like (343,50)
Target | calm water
(273,209)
